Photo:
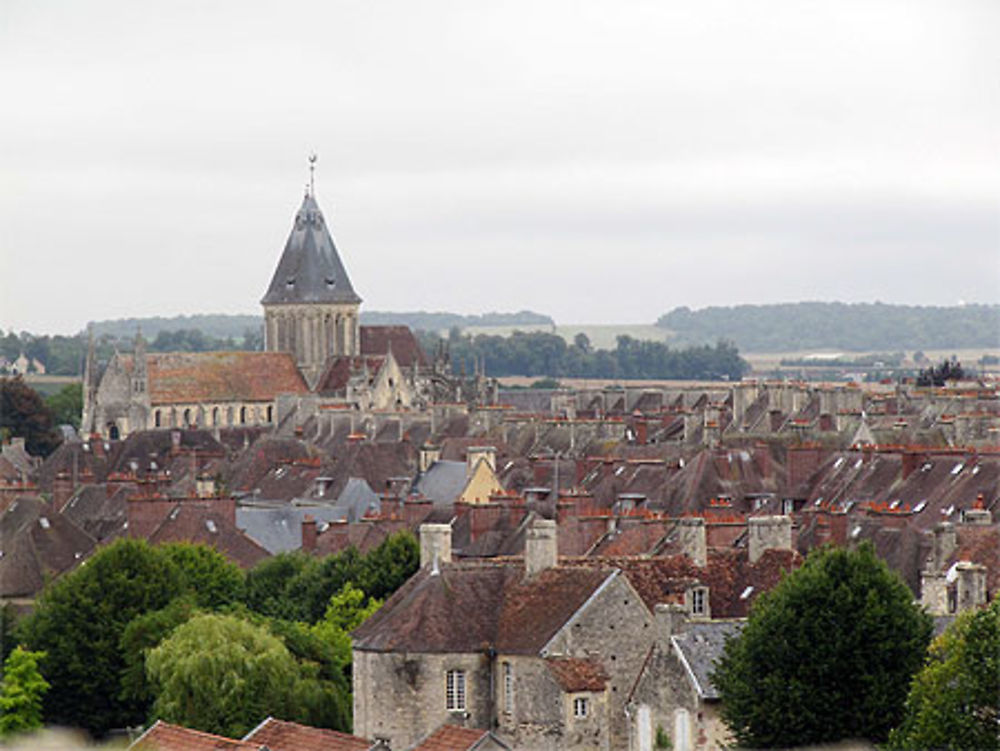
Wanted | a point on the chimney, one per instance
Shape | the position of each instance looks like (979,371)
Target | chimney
(671,619)
(62,490)
(978,515)
(435,538)
(429,454)
(769,533)
(911,460)
(971,585)
(309,533)
(540,546)
(945,542)
(692,538)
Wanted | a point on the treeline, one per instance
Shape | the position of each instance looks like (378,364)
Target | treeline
(218,325)
(441,321)
(852,326)
(65,355)
(177,632)
(544,354)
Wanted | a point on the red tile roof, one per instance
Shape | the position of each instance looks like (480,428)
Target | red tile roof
(377,340)
(166,737)
(281,735)
(576,674)
(187,377)
(451,738)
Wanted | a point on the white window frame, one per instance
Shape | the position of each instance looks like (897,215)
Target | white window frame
(581,707)
(454,691)
(508,687)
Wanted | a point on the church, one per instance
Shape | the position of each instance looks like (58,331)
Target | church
(316,353)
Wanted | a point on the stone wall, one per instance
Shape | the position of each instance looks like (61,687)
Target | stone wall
(410,694)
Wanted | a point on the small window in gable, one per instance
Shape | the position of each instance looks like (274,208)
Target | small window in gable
(699,601)
(581,706)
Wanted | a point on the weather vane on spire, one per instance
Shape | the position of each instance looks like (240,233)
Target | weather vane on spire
(312,174)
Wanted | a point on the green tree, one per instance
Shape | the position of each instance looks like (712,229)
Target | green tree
(21,692)
(211,578)
(954,702)
(222,674)
(79,621)
(66,405)
(143,633)
(348,609)
(826,655)
(23,414)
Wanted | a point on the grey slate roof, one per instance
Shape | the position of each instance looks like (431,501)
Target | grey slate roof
(310,269)
(355,499)
(699,646)
(442,482)
(279,530)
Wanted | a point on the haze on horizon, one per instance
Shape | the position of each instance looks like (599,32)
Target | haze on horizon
(599,162)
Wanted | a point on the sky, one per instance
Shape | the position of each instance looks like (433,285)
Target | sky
(602,162)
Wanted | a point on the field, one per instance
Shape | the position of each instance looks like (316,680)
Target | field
(46,385)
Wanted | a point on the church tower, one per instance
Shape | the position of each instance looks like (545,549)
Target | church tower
(310,308)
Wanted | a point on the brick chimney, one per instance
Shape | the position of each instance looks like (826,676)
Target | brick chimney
(978,515)
(309,533)
(540,546)
(62,490)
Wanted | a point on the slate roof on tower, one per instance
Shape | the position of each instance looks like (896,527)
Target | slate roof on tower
(310,269)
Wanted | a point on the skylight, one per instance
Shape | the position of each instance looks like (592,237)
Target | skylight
(958,468)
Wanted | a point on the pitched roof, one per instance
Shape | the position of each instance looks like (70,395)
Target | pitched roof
(468,607)
(699,646)
(163,736)
(281,735)
(186,377)
(443,481)
(577,674)
(378,340)
(453,738)
(195,523)
(310,269)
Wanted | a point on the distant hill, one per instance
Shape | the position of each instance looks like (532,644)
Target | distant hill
(441,321)
(221,326)
(792,327)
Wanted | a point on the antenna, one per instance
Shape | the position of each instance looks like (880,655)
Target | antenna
(312,174)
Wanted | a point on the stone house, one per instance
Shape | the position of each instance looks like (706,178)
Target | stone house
(544,654)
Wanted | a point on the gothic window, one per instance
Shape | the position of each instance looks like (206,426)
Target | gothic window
(187,418)
(455,690)
(157,419)
(215,416)
(270,413)
(243,415)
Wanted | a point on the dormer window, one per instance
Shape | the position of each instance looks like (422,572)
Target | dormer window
(581,707)
(330,281)
(290,281)
(698,601)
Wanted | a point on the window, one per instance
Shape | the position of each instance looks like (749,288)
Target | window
(699,601)
(455,691)
(580,706)
(508,687)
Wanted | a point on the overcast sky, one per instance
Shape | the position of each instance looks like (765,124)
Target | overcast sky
(597,161)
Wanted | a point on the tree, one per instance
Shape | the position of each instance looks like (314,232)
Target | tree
(348,609)
(21,692)
(222,674)
(79,621)
(24,414)
(66,405)
(826,655)
(211,578)
(954,702)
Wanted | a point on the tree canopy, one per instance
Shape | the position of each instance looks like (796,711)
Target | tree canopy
(21,692)
(222,674)
(24,414)
(954,702)
(826,655)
